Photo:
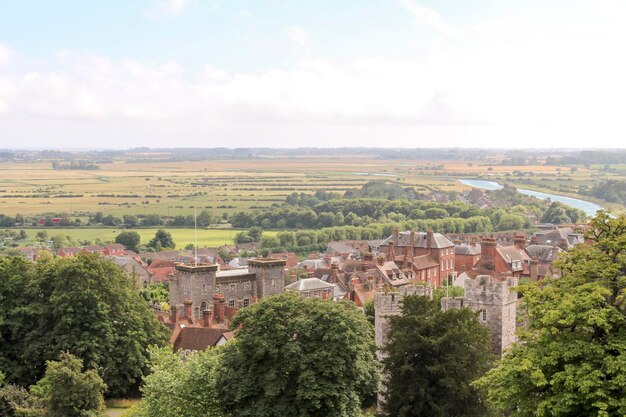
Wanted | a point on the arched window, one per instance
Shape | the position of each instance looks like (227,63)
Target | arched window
(202,307)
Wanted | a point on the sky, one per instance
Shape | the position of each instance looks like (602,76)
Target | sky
(319,73)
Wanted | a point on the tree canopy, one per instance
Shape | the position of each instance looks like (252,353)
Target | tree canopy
(83,305)
(130,240)
(182,385)
(571,360)
(296,356)
(162,240)
(432,356)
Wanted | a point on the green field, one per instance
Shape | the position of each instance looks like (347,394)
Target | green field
(206,238)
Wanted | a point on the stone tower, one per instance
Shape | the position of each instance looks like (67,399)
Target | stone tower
(270,275)
(386,305)
(195,284)
(496,304)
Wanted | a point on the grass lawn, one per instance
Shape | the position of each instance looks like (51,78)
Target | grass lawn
(206,238)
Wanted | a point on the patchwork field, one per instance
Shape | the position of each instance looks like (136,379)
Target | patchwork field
(226,186)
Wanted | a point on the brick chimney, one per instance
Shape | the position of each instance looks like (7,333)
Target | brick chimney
(392,252)
(520,242)
(368,256)
(311,273)
(219,307)
(412,239)
(430,238)
(381,260)
(534,269)
(334,265)
(188,303)
(396,235)
(207,318)
(354,281)
(173,314)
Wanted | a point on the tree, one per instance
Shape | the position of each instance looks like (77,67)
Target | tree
(42,235)
(182,385)
(571,360)
(432,356)
(162,240)
(130,221)
(58,241)
(130,240)
(296,356)
(204,219)
(70,392)
(510,222)
(85,305)
(255,233)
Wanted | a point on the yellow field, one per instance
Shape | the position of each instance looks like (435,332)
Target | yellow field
(227,186)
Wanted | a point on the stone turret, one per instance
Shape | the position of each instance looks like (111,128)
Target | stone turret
(270,274)
(497,305)
(193,283)
(386,305)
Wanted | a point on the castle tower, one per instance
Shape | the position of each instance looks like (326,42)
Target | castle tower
(270,275)
(386,305)
(497,305)
(193,283)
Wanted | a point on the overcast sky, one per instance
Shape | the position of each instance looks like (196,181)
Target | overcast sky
(286,73)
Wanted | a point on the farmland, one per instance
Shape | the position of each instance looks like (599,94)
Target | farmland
(182,237)
(134,186)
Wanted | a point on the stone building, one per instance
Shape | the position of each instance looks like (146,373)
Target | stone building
(497,305)
(386,305)
(201,284)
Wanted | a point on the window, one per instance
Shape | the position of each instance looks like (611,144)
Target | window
(273,282)
(484,315)
(203,290)
(246,302)
(435,272)
(246,285)
(231,303)
(428,275)
(442,263)
(232,287)
(306,294)
(203,306)
(217,289)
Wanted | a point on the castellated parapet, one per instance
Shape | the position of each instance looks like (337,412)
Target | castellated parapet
(389,304)
(496,304)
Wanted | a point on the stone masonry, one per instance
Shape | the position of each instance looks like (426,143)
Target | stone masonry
(202,284)
(496,304)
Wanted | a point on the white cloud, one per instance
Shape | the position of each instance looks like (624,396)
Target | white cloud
(297,35)
(6,54)
(243,14)
(520,84)
(428,16)
(166,8)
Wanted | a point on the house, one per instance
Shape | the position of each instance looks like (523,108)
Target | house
(115,249)
(160,270)
(194,335)
(466,255)
(28,252)
(93,249)
(69,251)
(428,256)
(312,288)
(564,237)
(134,269)
(500,262)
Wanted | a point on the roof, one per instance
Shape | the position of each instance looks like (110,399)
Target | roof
(196,338)
(232,273)
(424,262)
(314,264)
(465,249)
(341,247)
(404,239)
(512,253)
(543,253)
(93,248)
(115,246)
(71,249)
(309,284)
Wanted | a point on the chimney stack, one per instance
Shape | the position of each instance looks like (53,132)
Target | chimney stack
(396,235)
(207,318)
(173,314)
(219,307)
(534,269)
(188,303)
(520,242)
(392,252)
(430,238)
(381,260)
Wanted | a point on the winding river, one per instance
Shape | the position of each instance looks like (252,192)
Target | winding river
(587,206)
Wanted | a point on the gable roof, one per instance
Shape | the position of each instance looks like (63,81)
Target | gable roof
(421,240)
(195,338)
(309,284)
(543,253)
